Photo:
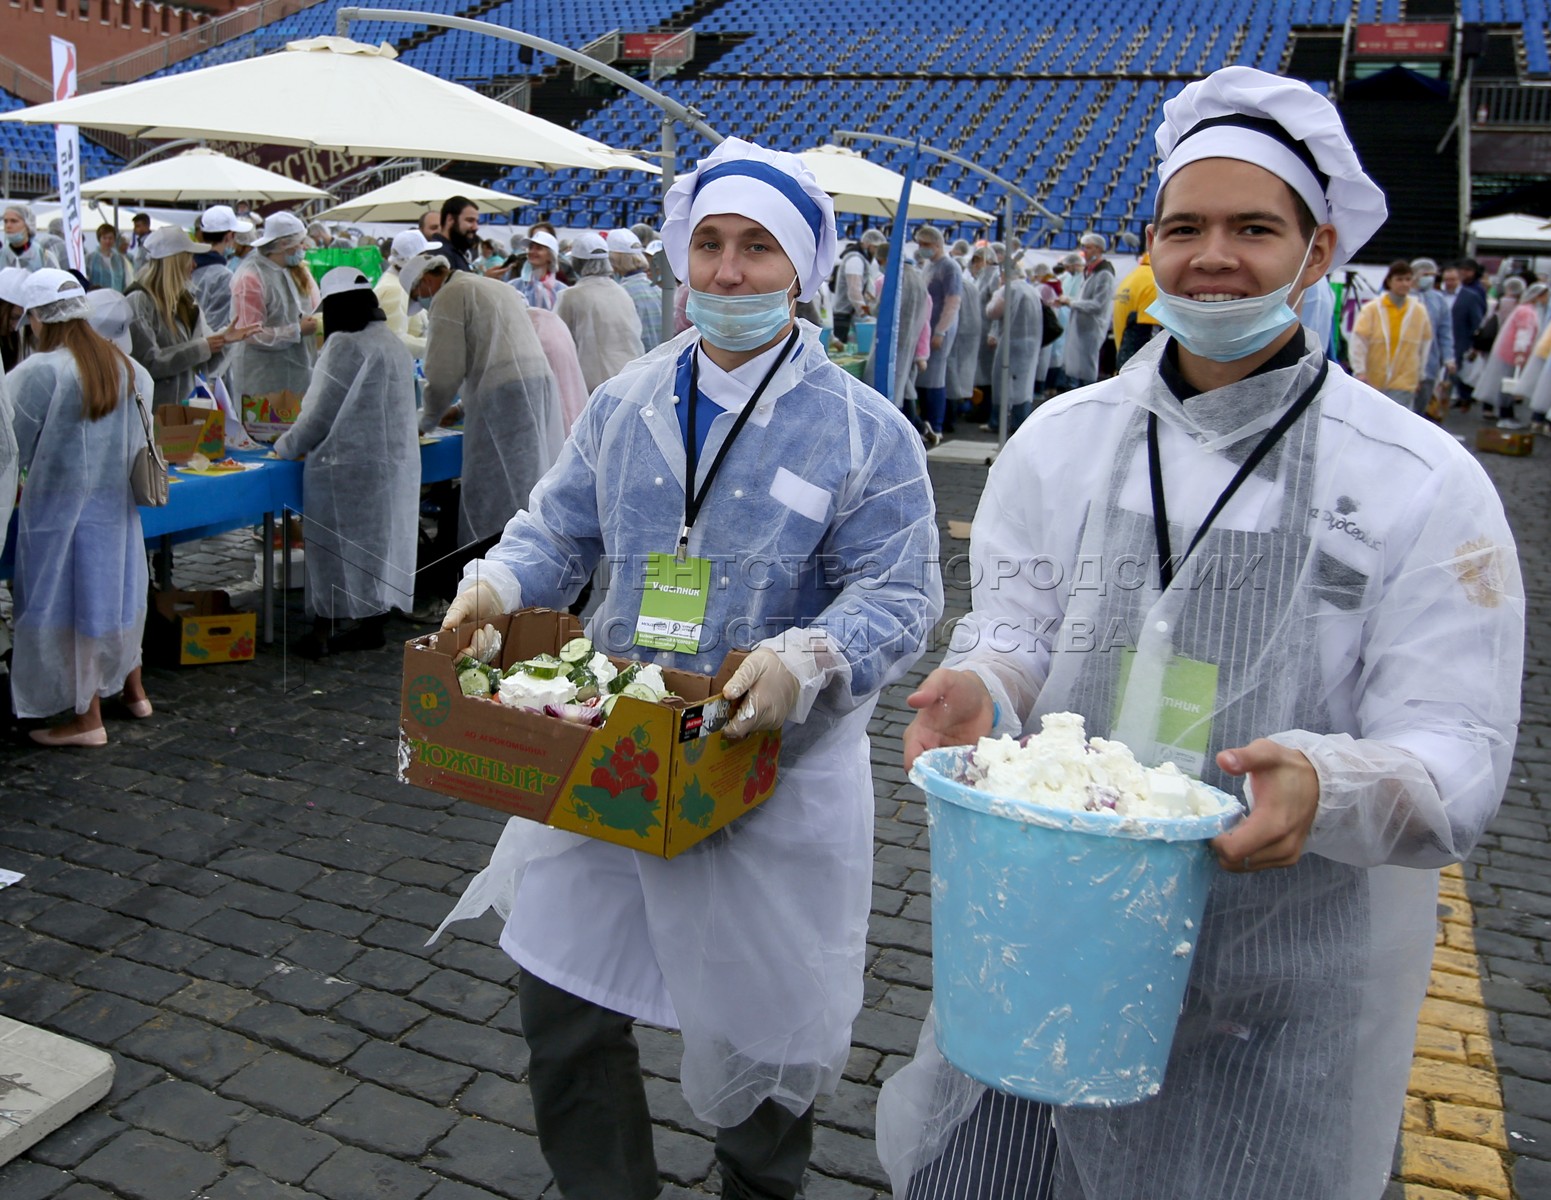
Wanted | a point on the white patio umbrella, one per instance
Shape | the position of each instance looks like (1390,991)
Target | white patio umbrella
(333,94)
(201,174)
(94,216)
(859,186)
(407,198)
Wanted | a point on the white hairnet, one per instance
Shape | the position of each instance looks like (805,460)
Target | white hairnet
(24,211)
(1286,127)
(1093,239)
(929,234)
(769,186)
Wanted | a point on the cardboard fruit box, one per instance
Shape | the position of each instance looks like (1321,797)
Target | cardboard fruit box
(181,432)
(198,629)
(656,777)
(266,417)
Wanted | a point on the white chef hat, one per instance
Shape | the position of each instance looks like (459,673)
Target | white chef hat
(769,186)
(1286,127)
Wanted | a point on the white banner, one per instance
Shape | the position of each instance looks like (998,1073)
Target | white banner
(67,148)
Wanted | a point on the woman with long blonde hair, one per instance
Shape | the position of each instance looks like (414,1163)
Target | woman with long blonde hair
(168,333)
(80,583)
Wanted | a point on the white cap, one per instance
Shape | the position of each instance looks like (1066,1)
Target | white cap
(280,226)
(418,265)
(170,240)
(654,247)
(49,287)
(406,245)
(109,313)
(343,279)
(219,218)
(621,241)
(12,280)
(588,247)
(1286,127)
(769,186)
(542,237)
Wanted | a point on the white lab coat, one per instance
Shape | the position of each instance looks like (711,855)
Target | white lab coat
(1387,644)
(753,941)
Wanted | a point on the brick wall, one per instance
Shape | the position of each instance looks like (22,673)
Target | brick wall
(101,29)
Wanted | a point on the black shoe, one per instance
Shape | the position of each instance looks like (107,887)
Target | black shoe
(311,646)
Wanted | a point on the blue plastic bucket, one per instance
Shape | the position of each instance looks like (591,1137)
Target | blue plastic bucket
(862,334)
(1061,941)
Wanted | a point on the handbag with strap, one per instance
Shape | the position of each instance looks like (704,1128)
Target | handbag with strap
(148,469)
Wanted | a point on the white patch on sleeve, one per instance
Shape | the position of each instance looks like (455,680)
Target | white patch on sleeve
(799,495)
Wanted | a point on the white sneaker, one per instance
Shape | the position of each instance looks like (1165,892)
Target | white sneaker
(1510,424)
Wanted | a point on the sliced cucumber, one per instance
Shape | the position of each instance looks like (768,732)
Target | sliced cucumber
(576,650)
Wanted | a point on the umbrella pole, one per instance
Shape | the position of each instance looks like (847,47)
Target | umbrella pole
(670,157)
(1004,375)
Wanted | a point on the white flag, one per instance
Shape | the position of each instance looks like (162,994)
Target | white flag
(67,148)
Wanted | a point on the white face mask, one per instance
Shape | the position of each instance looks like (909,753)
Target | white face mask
(1228,330)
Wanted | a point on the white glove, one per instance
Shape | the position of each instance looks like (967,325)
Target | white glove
(771,692)
(479,603)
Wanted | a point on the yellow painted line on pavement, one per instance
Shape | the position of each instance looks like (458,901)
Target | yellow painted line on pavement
(1453,1139)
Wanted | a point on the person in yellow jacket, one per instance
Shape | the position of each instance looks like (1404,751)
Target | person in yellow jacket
(1134,325)
(1389,343)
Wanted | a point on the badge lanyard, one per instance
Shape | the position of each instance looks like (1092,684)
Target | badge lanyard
(1160,512)
(693,499)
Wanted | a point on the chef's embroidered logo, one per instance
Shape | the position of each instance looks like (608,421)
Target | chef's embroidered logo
(1342,521)
(1478,565)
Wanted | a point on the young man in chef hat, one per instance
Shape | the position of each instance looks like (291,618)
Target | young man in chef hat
(807,533)
(1238,526)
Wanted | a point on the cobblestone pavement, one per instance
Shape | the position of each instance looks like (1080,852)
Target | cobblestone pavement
(234,896)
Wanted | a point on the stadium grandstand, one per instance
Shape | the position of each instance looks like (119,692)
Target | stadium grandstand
(1062,101)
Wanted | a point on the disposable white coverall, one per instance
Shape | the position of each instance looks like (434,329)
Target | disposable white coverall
(1360,596)
(394,302)
(361,481)
(604,324)
(81,580)
(1091,310)
(1018,325)
(482,350)
(172,356)
(752,942)
(278,357)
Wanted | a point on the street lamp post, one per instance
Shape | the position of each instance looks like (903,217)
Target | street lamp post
(1010,189)
(672,110)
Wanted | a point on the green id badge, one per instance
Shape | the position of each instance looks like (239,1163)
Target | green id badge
(673,602)
(1185,715)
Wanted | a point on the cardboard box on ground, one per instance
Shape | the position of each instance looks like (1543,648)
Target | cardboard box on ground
(1514,442)
(656,777)
(197,629)
(181,432)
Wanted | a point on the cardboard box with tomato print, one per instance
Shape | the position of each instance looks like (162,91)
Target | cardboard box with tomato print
(656,777)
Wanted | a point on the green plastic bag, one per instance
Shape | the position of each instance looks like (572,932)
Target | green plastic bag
(366,259)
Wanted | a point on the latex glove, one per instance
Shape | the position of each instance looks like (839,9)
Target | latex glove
(478,603)
(769,692)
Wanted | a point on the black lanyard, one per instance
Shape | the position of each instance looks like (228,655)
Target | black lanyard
(692,499)
(1160,511)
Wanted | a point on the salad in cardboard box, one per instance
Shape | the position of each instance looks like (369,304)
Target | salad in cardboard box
(525,715)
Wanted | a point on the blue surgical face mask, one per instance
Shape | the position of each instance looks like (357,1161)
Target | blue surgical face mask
(228,250)
(924,254)
(1424,283)
(739,322)
(17,239)
(1228,330)
(296,258)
